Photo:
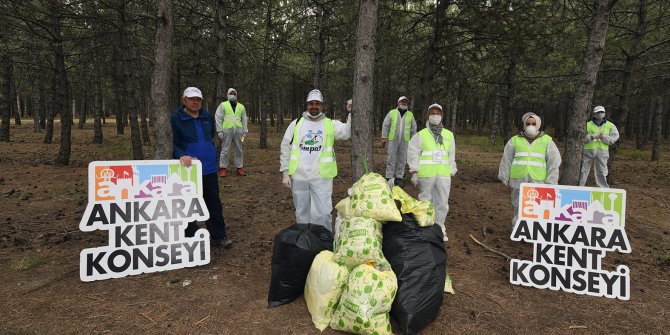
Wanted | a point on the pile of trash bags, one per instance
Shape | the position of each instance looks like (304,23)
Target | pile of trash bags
(388,260)
(385,259)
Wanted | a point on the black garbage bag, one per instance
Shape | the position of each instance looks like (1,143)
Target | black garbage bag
(419,259)
(294,250)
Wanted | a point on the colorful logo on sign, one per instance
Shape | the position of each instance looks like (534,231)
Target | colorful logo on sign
(572,229)
(145,206)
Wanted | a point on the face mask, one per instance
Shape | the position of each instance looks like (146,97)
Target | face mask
(600,116)
(232,98)
(402,108)
(314,113)
(434,119)
(349,108)
(531,131)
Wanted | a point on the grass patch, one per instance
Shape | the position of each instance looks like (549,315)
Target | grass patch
(480,142)
(26,262)
(634,154)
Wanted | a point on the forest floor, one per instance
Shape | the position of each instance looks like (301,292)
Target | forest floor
(41,205)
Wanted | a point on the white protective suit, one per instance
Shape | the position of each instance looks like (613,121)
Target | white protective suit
(553,163)
(312,194)
(598,158)
(434,189)
(396,149)
(230,136)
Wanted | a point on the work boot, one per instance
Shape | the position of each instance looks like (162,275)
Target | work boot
(222,172)
(224,243)
(240,172)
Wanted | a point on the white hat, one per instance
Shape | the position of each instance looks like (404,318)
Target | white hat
(599,109)
(191,92)
(231,90)
(529,115)
(434,106)
(402,98)
(315,95)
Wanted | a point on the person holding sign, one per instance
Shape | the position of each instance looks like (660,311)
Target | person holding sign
(307,161)
(193,131)
(529,157)
(600,134)
(431,156)
(398,128)
(231,126)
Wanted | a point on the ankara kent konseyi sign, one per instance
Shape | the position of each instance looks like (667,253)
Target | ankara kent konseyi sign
(572,229)
(145,206)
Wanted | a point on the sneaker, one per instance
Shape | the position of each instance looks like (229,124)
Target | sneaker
(240,172)
(222,172)
(224,243)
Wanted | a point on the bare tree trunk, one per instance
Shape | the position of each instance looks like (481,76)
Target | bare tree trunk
(431,58)
(62,94)
(640,130)
(140,93)
(160,81)
(17,111)
(5,94)
(658,122)
(362,133)
(265,81)
(320,46)
(579,111)
(131,92)
(37,110)
(220,80)
(494,124)
(83,108)
(50,112)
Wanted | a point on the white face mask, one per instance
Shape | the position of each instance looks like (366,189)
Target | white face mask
(232,98)
(402,108)
(434,119)
(530,131)
(313,116)
(600,116)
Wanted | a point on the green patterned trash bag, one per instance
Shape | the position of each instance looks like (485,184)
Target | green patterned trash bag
(366,301)
(371,198)
(359,241)
(325,282)
(423,210)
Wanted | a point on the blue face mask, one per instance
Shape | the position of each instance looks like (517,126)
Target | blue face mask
(232,98)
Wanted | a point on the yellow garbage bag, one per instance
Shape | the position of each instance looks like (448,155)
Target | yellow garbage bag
(371,198)
(366,301)
(325,282)
(423,210)
(359,241)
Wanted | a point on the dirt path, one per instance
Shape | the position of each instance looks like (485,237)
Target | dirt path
(41,205)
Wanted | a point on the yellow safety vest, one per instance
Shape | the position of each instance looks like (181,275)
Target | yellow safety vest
(428,167)
(530,160)
(592,128)
(232,118)
(395,113)
(327,163)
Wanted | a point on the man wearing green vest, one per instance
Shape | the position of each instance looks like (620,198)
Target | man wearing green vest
(529,157)
(431,156)
(600,134)
(231,126)
(398,128)
(307,161)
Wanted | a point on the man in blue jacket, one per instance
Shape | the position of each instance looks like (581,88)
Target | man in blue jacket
(193,129)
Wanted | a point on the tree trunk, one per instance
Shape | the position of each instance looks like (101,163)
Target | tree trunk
(265,105)
(494,124)
(83,109)
(220,80)
(118,97)
(62,94)
(5,93)
(579,112)
(640,130)
(131,91)
(160,81)
(431,59)
(97,107)
(658,122)
(17,111)
(362,136)
(37,111)
(50,112)
(320,46)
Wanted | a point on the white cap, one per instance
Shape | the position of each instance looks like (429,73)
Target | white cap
(404,98)
(434,106)
(191,92)
(598,109)
(231,90)
(315,95)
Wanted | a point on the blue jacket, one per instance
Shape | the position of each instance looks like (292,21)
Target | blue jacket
(193,137)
